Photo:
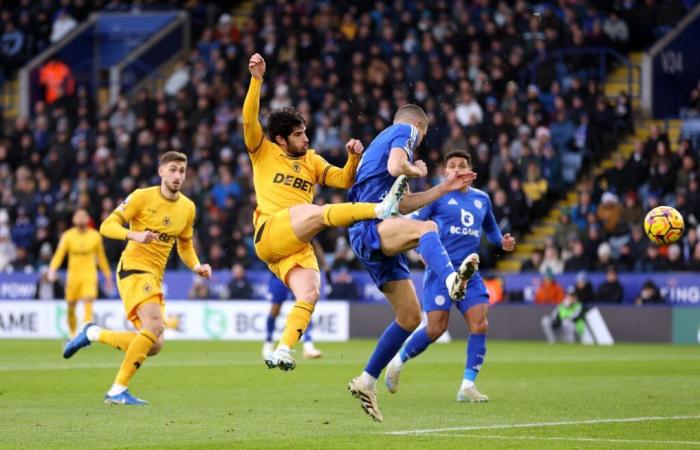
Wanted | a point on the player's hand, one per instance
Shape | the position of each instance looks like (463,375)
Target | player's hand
(354,146)
(203,270)
(142,237)
(418,169)
(256,65)
(508,243)
(51,275)
(458,181)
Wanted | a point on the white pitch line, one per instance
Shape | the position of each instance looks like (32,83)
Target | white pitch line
(570,439)
(539,424)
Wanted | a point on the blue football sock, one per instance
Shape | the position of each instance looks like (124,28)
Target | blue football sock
(269,328)
(388,345)
(433,252)
(307,334)
(476,352)
(415,345)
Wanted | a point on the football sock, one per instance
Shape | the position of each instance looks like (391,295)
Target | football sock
(418,342)
(297,321)
(116,389)
(388,345)
(87,310)
(135,355)
(368,380)
(476,352)
(269,327)
(72,319)
(345,214)
(433,252)
(116,339)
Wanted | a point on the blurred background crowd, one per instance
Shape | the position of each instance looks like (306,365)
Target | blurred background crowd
(347,66)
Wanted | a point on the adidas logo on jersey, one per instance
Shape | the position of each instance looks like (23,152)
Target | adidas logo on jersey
(453,202)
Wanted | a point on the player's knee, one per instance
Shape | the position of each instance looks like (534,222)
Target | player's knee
(409,321)
(435,330)
(479,327)
(155,326)
(310,295)
(157,347)
(429,226)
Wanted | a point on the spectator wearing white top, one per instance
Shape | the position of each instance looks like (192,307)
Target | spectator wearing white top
(63,25)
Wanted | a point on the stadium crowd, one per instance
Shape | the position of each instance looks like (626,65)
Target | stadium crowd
(346,68)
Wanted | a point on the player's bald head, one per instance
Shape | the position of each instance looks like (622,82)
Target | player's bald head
(414,115)
(81,218)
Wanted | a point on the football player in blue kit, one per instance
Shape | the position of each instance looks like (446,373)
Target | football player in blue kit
(461,216)
(380,245)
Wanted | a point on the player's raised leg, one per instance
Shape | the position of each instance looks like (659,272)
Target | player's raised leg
(399,235)
(404,301)
(418,342)
(476,318)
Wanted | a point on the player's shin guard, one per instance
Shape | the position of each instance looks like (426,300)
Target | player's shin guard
(297,322)
(72,319)
(135,355)
(476,352)
(433,252)
(345,214)
(87,312)
(415,345)
(391,341)
(116,339)
(269,327)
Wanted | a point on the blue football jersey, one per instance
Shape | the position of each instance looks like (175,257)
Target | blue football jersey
(461,217)
(373,180)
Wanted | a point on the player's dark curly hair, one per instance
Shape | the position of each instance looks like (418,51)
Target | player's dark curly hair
(283,122)
(459,154)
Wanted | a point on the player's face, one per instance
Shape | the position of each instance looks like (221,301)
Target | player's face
(173,175)
(80,219)
(297,142)
(457,166)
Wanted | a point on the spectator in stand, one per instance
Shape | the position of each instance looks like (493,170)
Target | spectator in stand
(694,264)
(567,321)
(584,289)
(535,188)
(8,250)
(11,47)
(566,231)
(611,290)
(239,288)
(549,291)
(199,290)
(551,262)
(605,258)
(652,261)
(649,294)
(578,260)
(535,262)
(675,259)
(609,213)
(344,287)
(617,31)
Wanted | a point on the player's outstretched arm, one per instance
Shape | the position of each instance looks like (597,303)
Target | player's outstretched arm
(252,130)
(399,164)
(57,259)
(186,252)
(414,201)
(336,177)
(113,228)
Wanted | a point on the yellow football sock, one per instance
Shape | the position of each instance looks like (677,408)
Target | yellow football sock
(297,322)
(72,319)
(345,214)
(135,355)
(117,339)
(87,310)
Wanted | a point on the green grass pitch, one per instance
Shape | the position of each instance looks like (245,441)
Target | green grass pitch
(219,394)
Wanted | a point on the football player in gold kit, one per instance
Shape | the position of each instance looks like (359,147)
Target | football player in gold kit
(285,173)
(157,217)
(84,248)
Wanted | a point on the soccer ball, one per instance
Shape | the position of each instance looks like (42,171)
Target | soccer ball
(664,225)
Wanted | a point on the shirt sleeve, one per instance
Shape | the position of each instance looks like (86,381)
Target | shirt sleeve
(330,175)
(102,258)
(60,254)
(185,246)
(425,213)
(252,130)
(406,139)
(130,207)
(493,233)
